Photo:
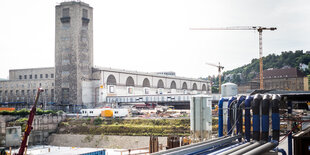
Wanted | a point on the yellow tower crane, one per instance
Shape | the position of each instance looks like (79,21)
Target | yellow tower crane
(260,31)
(220,68)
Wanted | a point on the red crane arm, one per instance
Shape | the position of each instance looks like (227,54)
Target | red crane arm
(29,124)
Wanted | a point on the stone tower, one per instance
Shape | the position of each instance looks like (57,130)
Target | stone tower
(73,51)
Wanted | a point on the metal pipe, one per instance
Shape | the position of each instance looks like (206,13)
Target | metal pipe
(263,148)
(275,117)
(229,131)
(220,113)
(226,148)
(246,149)
(265,117)
(247,119)
(192,149)
(289,145)
(235,148)
(192,145)
(239,113)
(256,118)
(280,150)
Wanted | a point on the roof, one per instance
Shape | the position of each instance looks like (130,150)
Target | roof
(283,73)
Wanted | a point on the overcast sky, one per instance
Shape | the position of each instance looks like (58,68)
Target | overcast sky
(154,35)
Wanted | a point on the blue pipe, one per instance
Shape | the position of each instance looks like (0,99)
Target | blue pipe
(239,120)
(228,118)
(256,118)
(280,150)
(289,106)
(247,119)
(239,114)
(275,118)
(265,117)
(220,113)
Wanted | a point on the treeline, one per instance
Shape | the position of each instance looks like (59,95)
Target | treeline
(249,71)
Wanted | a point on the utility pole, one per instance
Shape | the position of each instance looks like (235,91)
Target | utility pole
(260,32)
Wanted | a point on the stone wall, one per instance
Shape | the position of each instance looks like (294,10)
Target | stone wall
(102,141)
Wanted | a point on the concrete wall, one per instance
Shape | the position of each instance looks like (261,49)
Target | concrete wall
(13,136)
(103,141)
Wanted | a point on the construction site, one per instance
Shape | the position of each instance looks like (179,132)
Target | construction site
(79,108)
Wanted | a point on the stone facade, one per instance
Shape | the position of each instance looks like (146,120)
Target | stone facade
(23,84)
(73,50)
(74,83)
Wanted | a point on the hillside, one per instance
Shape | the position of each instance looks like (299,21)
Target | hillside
(247,72)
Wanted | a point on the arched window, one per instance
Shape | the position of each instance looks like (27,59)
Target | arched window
(160,84)
(204,88)
(146,83)
(111,80)
(194,86)
(173,85)
(184,86)
(130,82)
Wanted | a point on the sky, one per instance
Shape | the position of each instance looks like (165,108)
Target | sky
(155,35)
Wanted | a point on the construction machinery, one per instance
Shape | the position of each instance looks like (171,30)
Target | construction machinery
(28,129)
(220,68)
(260,30)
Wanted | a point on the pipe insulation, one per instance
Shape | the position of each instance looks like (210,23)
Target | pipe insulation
(229,131)
(247,117)
(235,148)
(263,148)
(265,117)
(275,117)
(226,148)
(256,117)
(220,114)
(246,149)
(239,112)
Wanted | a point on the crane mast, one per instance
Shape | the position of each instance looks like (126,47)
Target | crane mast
(260,32)
(220,68)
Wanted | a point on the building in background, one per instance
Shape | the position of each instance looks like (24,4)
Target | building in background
(74,83)
(289,79)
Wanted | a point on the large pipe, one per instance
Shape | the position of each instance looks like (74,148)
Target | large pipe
(289,124)
(225,149)
(220,113)
(280,150)
(247,119)
(263,148)
(199,147)
(228,118)
(246,149)
(240,106)
(231,116)
(275,118)
(256,118)
(235,148)
(265,117)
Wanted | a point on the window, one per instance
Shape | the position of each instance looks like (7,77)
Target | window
(25,76)
(0,93)
(20,77)
(17,92)
(65,12)
(41,76)
(30,76)
(35,76)
(111,89)
(130,90)
(23,92)
(46,75)
(85,13)
(28,92)
(52,75)
(53,84)
(40,84)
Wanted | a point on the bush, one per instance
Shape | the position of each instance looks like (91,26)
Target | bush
(98,121)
